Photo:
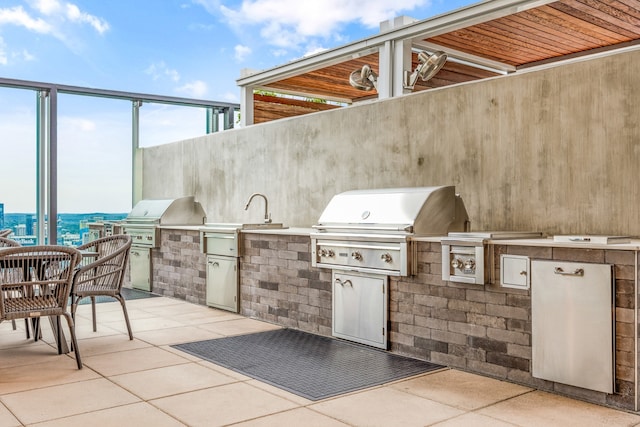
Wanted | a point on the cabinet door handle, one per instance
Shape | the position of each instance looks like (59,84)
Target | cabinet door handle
(577,272)
(215,264)
(346,282)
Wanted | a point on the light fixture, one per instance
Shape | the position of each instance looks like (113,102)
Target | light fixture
(428,66)
(364,79)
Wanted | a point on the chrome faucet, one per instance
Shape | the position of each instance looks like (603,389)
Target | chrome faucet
(267,215)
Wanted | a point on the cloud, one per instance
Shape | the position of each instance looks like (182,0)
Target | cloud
(284,23)
(18,16)
(75,15)
(54,19)
(159,70)
(194,89)
(242,52)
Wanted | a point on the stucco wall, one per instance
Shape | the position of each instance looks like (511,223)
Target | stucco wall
(555,150)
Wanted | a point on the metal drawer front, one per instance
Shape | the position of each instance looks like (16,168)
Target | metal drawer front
(572,324)
(221,244)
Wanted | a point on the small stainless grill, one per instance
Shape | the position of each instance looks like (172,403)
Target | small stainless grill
(143,225)
(371,231)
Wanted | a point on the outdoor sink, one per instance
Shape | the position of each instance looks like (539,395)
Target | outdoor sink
(263,226)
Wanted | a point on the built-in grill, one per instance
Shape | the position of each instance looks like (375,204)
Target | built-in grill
(372,230)
(365,236)
(143,225)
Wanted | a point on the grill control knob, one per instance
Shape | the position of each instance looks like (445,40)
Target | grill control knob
(470,264)
(386,257)
(356,255)
(456,263)
(323,252)
(331,253)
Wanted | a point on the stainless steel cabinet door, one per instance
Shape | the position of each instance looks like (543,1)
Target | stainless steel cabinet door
(222,282)
(360,308)
(572,323)
(140,268)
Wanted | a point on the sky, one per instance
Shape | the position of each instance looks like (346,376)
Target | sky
(184,48)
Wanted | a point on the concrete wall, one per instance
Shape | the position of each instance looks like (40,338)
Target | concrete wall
(554,150)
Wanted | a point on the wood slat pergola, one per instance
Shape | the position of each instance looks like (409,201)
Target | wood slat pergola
(484,40)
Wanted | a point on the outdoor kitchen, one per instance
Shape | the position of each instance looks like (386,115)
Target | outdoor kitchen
(398,269)
(515,149)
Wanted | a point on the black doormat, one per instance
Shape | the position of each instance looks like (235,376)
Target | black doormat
(311,366)
(127,293)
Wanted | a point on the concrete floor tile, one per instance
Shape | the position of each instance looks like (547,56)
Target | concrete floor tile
(178,335)
(538,408)
(58,369)
(109,344)
(239,326)
(60,401)
(26,353)
(7,419)
(472,419)
(294,418)
(146,324)
(201,317)
(460,389)
(132,361)
(171,380)
(299,400)
(228,372)
(136,414)
(222,405)
(385,407)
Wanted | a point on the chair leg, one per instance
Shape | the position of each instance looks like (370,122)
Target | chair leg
(26,327)
(74,343)
(58,333)
(93,312)
(120,298)
(13,323)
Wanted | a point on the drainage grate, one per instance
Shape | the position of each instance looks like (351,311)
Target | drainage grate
(311,366)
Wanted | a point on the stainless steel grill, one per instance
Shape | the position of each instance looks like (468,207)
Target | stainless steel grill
(365,236)
(372,230)
(143,225)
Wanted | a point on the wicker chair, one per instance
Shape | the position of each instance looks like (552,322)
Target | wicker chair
(35,281)
(5,232)
(102,275)
(9,243)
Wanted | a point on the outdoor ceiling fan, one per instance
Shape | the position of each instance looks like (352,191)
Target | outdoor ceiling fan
(427,68)
(364,79)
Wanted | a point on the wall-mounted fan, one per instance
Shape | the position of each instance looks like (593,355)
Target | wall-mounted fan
(364,79)
(428,66)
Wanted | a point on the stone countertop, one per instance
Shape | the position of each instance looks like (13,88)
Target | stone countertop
(296,231)
(301,231)
(633,245)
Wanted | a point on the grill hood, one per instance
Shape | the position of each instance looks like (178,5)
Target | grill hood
(180,211)
(418,211)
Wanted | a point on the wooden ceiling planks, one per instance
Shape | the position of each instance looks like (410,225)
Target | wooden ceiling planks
(267,108)
(548,32)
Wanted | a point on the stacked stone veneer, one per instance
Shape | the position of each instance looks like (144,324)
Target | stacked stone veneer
(179,267)
(278,284)
(482,329)
(487,329)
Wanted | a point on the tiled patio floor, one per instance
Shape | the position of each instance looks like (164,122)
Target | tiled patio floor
(145,382)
